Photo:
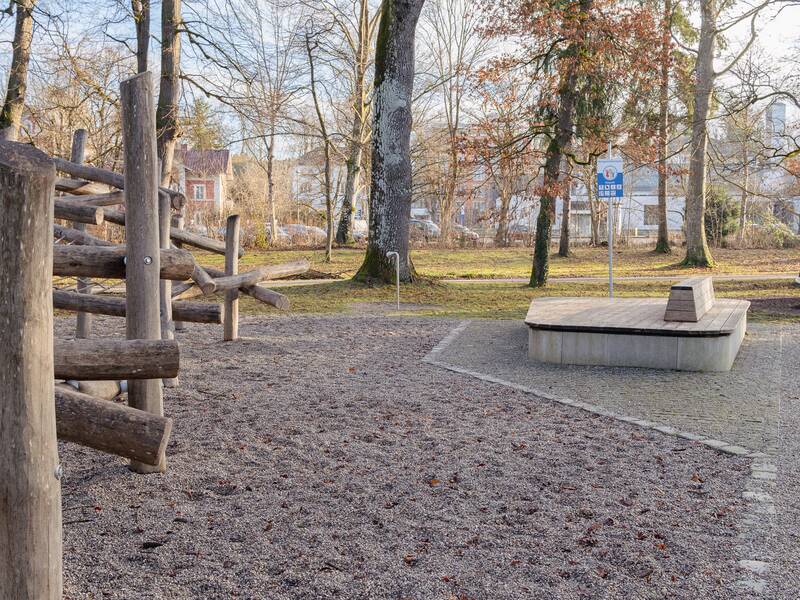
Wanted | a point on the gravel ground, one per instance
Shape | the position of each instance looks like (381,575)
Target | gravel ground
(317,457)
(740,407)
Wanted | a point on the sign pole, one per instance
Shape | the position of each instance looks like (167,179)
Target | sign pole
(610,224)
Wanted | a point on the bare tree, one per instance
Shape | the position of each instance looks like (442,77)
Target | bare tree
(11,114)
(454,48)
(141,20)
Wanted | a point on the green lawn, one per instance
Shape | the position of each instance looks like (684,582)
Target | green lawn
(494,263)
(485,300)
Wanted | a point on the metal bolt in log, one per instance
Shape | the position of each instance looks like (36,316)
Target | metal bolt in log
(30,493)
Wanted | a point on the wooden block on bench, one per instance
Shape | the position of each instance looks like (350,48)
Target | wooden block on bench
(690,299)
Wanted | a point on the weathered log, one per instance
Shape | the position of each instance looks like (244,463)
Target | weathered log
(203,280)
(180,236)
(115,359)
(92,215)
(199,241)
(78,237)
(262,294)
(110,178)
(248,278)
(80,186)
(30,494)
(110,262)
(114,306)
(141,235)
(109,199)
(110,427)
(83,322)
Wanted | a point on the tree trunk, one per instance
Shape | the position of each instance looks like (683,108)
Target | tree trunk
(344,232)
(390,189)
(662,244)
(141,19)
(11,115)
(594,213)
(563,241)
(743,200)
(447,203)
(697,252)
(501,235)
(567,96)
(271,183)
(169,90)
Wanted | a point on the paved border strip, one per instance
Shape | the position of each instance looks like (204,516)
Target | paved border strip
(763,471)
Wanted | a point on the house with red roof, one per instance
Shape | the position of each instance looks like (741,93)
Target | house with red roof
(204,177)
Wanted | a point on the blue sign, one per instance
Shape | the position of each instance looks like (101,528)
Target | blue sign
(609,178)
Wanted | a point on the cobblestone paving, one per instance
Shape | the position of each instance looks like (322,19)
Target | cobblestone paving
(740,407)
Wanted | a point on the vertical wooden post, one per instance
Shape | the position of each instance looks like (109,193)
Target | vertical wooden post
(231,316)
(30,492)
(180,224)
(143,262)
(165,286)
(83,327)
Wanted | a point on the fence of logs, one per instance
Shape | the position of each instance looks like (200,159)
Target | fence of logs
(37,407)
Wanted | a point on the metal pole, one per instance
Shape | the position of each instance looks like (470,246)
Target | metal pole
(397,268)
(610,223)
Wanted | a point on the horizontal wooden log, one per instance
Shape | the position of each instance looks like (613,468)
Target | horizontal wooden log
(98,359)
(178,235)
(110,427)
(262,294)
(248,278)
(80,186)
(116,180)
(92,215)
(109,199)
(78,237)
(114,306)
(109,262)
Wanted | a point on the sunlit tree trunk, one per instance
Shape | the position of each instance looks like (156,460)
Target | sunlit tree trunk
(563,240)
(697,251)
(11,115)
(390,190)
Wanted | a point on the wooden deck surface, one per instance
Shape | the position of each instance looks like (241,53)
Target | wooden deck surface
(643,316)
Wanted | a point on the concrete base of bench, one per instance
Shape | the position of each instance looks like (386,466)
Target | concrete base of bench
(632,332)
(635,350)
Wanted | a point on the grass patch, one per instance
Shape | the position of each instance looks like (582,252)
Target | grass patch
(501,263)
(487,300)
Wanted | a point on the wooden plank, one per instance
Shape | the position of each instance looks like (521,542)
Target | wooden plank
(231,320)
(78,213)
(30,492)
(141,235)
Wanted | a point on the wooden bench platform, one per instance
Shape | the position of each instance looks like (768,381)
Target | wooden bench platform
(633,332)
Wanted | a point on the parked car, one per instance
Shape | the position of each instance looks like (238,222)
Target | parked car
(424,230)
(464,234)
(305,234)
(360,230)
(283,236)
